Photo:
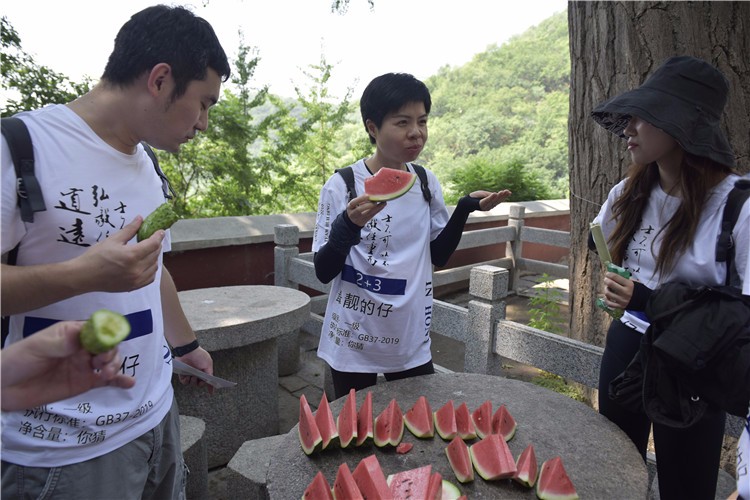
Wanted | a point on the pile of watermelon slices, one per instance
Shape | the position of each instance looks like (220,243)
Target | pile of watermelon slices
(368,481)
(489,455)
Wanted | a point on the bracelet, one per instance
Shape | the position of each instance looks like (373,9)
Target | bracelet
(185,349)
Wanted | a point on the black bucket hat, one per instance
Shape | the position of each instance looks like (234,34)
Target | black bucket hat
(684,97)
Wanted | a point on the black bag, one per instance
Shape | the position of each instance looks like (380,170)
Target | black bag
(696,351)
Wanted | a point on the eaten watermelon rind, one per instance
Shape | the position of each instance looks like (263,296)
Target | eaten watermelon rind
(419,419)
(554,483)
(388,184)
(450,491)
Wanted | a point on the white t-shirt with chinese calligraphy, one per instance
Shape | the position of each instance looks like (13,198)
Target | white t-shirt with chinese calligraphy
(698,265)
(380,306)
(90,191)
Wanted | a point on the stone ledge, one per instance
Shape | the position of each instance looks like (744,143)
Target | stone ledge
(245,475)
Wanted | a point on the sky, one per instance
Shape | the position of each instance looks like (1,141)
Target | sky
(75,37)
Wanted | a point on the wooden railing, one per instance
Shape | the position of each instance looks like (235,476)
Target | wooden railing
(481,326)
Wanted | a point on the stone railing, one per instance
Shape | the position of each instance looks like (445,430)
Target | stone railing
(482,327)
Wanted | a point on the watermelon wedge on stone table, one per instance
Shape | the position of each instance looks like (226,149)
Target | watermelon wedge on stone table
(503,423)
(419,419)
(482,418)
(460,460)
(326,424)
(346,421)
(309,435)
(365,432)
(526,467)
(464,423)
(412,483)
(345,487)
(370,479)
(492,458)
(318,489)
(388,184)
(445,421)
(554,483)
(389,426)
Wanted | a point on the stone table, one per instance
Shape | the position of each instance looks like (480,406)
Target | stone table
(600,460)
(239,326)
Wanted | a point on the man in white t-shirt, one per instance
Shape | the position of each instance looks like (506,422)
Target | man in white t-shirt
(80,255)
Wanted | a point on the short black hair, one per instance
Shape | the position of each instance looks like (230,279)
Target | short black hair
(172,35)
(388,93)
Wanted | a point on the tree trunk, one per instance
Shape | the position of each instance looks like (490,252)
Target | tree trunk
(614,46)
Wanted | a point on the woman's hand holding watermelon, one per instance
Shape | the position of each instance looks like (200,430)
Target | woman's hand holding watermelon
(360,210)
(490,200)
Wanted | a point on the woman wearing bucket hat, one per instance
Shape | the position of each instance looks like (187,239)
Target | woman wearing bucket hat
(661,223)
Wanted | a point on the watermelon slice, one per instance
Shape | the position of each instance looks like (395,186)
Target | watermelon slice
(365,426)
(554,483)
(503,423)
(451,492)
(388,184)
(419,419)
(389,425)
(318,489)
(326,424)
(412,483)
(435,487)
(460,460)
(526,467)
(345,487)
(403,448)
(445,421)
(464,423)
(309,435)
(346,422)
(370,479)
(482,418)
(492,458)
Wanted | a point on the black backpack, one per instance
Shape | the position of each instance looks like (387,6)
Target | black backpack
(348,174)
(696,350)
(28,191)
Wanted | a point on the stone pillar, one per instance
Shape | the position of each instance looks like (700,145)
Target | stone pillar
(286,238)
(515,220)
(488,286)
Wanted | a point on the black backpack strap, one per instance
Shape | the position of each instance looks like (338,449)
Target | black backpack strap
(348,174)
(166,187)
(725,244)
(28,192)
(420,171)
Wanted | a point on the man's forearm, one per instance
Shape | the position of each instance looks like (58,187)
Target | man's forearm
(177,329)
(25,288)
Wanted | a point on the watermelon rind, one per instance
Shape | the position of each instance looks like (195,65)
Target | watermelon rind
(554,483)
(450,491)
(464,423)
(419,419)
(370,478)
(309,435)
(389,426)
(445,421)
(365,428)
(346,421)
(326,424)
(503,423)
(388,184)
(492,458)
(460,460)
(318,489)
(482,418)
(526,467)
(345,487)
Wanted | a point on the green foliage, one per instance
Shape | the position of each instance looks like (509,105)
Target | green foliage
(558,384)
(483,172)
(32,86)
(544,306)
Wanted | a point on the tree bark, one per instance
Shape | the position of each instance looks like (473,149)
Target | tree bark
(614,46)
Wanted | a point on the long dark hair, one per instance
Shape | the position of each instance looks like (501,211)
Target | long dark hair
(698,175)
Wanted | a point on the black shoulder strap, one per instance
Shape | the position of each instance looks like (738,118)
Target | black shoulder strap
(348,174)
(166,187)
(419,169)
(28,192)
(725,244)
